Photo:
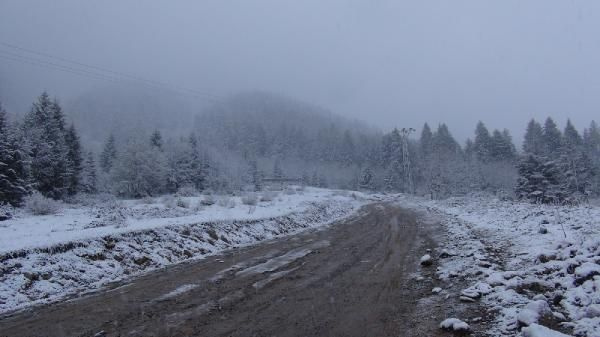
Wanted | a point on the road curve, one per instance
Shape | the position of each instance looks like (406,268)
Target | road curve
(351,279)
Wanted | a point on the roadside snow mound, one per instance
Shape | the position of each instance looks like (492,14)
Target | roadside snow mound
(531,276)
(536,330)
(48,274)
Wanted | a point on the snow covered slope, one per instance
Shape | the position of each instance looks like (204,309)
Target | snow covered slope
(529,264)
(45,258)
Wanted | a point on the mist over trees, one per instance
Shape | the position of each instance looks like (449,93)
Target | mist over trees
(240,143)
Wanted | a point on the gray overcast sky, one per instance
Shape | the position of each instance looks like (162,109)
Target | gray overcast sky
(388,62)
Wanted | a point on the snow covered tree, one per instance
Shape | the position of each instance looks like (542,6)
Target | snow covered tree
(533,142)
(89,180)
(367,179)
(199,165)
(591,142)
(140,170)
(255,175)
(74,160)
(109,154)
(576,166)
(45,129)
(12,168)
(482,144)
(501,146)
(277,171)
(571,139)
(348,149)
(426,141)
(531,182)
(552,139)
(156,140)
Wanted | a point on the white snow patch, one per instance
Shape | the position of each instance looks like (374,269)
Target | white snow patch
(454,324)
(499,243)
(536,330)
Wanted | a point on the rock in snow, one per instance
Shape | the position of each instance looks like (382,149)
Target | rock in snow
(532,312)
(426,260)
(454,324)
(436,290)
(536,330)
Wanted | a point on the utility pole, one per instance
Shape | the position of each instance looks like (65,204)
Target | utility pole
(406,166)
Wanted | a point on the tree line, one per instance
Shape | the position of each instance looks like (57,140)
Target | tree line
(242,142)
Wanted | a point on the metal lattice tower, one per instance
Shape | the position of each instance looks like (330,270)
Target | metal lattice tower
(406,165)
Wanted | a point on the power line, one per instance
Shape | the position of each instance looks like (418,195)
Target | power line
(93,71)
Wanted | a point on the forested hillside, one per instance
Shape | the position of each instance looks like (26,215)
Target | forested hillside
(238,143)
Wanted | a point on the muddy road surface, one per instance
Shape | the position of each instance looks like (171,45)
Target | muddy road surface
(354,278)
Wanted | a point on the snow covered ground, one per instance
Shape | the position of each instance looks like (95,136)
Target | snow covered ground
(45,258)
(535,267)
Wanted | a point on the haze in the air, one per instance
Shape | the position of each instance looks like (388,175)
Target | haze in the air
(389,63)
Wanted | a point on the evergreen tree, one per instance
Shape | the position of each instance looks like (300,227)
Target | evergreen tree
(255,175)
(277,171)
(367,180)
(305,180)
(502,147)
(576,166)
(156,140)
(469,148)
(482,143)
(44,127)
(314,181)
(571,140)
(591,142)
(444,143)
(198,166)
(426,141)
(552,139)
(533,142)
(109,154)
(89,180)
(348,149)
(74,160)
(12,168)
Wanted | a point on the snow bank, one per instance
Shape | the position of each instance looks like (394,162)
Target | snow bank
(85,259)
(532,276)
(536,330)
(80,223)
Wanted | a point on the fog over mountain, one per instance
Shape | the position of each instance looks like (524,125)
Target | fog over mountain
(390,63)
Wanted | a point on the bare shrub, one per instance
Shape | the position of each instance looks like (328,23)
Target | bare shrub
(37,204)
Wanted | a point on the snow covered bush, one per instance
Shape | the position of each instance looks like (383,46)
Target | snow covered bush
(268,196)
(226,202)
(182,203)
(187,191)
(250,199)
(37,204)
(147,200)
(169,201)
(6,211)
(208,200)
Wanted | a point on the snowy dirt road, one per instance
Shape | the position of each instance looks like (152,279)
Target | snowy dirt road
(356,278)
